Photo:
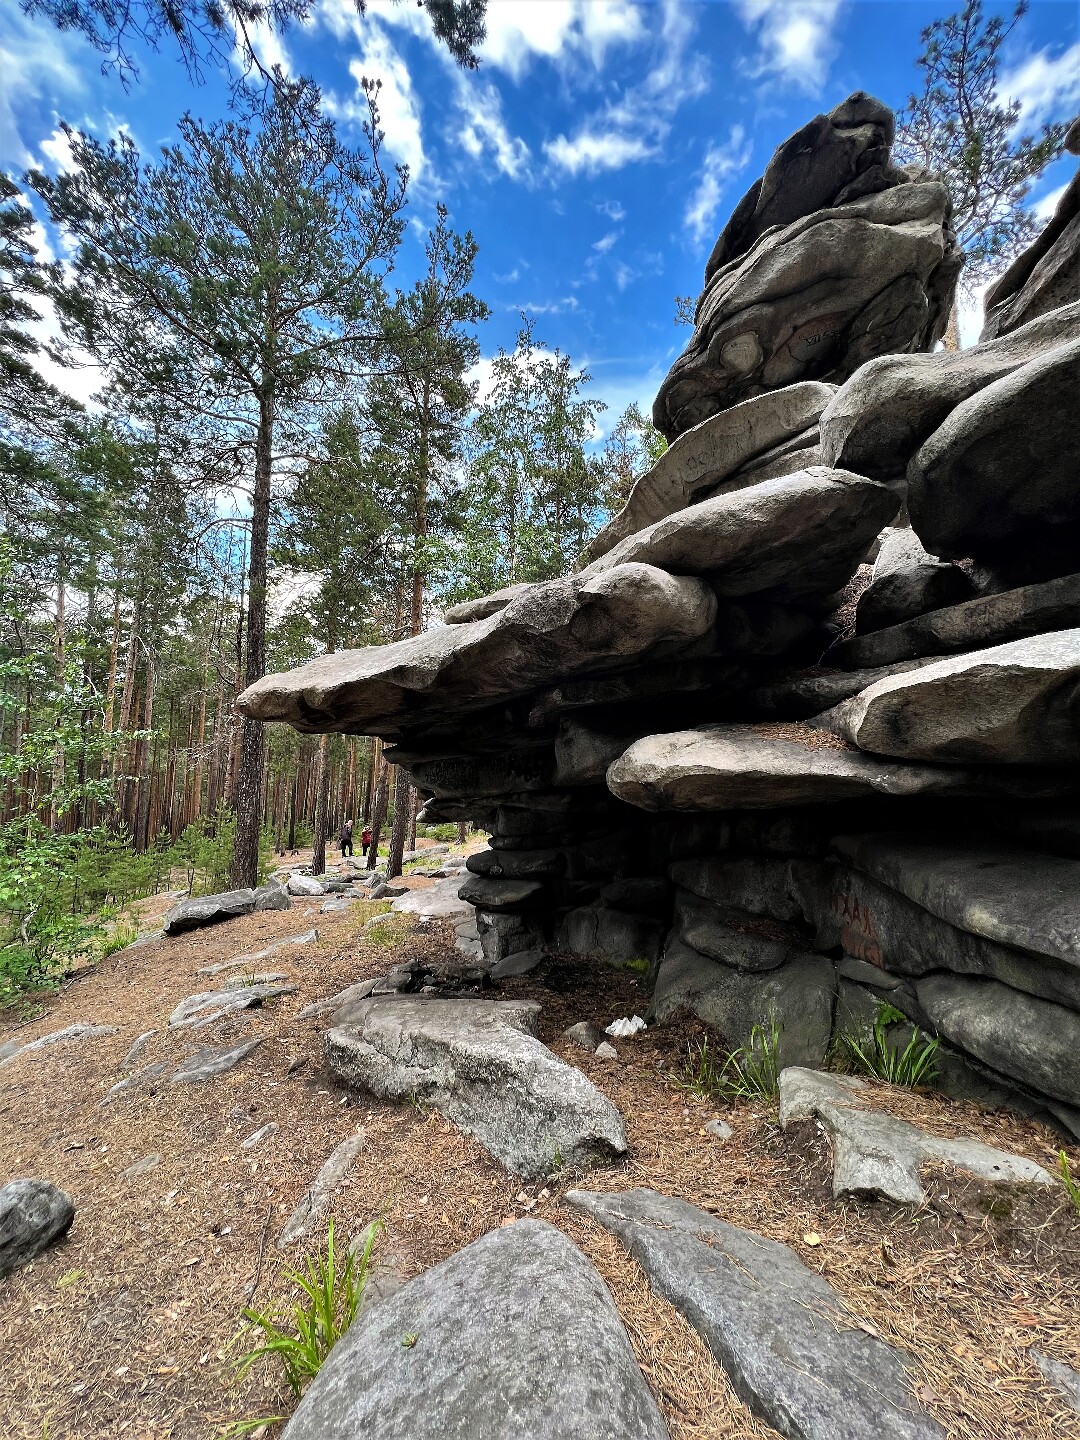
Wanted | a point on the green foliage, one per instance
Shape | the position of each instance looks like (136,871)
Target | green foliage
(749,1072)
(911,1066)
(301,1333)
(1072,1187)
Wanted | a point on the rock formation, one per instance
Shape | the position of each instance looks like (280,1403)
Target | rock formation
(777,751)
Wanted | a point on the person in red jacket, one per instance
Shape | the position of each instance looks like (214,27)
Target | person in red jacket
(365,839)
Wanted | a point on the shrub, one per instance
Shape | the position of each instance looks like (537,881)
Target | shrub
(749,1072)
(881,1059)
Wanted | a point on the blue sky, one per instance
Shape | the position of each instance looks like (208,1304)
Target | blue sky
(594,155)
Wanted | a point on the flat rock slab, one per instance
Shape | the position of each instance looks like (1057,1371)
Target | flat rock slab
(304,885)
(359,991)
(798,535)
(790,1347)
(66,1036)
(1063,1377)
(1014,704)
(138,1046)
(477,1063)
(436,902)
(139,1080)
(321,1191)
(202,910)
(33,1214)
(309,937)
(740,767)
(876,1154)
(521,962)
(209,1061)
(513,1338)
(550,630)
(1012,896)
(203,1009)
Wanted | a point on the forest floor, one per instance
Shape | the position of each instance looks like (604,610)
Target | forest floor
(124,1328)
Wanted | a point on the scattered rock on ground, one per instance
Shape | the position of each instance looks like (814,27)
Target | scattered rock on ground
(334,1170)
(59,1037)
(33,1214)
(585,1035)
(1063,1377)
(304,885)
(203,1009)
(263,1131)
(202,910)
(210,1061)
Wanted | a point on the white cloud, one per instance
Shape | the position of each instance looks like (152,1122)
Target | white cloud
(1043,209)
(482,130)
(267,47)
(508,278)
(37,62)
(612,209)
(605,242)
(593,150)
(556,30)
(399,113)
(721,162)
(795,39)
(57,149)
(624,275)
(1048,88)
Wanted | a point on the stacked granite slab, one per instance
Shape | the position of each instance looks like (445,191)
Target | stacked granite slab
(803,735)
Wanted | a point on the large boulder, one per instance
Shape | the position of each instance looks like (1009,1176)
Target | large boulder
(907,582)
(789,1345)
(880,417)
(798,996)
(734,937)
(558,628)
(478,1063)
(512,1338)
(1041,278)
(1001,470)
(702,459)
(618,937)
(1013,704)
(798,535)
(200,910)
(815,299)
(33,1214)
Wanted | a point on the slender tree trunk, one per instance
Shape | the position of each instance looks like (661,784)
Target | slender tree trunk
(291,843)
(245,860)
(400,826)
(59,656)
(463,832)
(322,806)
(378,814)
(951,338)
(414,806)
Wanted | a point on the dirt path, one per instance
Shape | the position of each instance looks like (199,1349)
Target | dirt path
(124,1328)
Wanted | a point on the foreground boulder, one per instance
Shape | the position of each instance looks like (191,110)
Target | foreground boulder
(790,1347)
(33,1213)
(513,1338)
(202,910)
(479,1064)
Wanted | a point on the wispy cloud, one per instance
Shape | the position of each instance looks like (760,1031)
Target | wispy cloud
(482,131)
(1047,86)
(508,278)
(594,150)
(721,162)
(605,242)
(37,63)
(558,30)
(795,39)
(612,209)
(624,275)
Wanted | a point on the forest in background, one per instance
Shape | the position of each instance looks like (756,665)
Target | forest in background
(289,456)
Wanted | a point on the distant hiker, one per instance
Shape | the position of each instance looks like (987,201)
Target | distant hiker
(345,839)
(365,839)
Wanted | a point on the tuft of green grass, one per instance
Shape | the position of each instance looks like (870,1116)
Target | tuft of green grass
(124,933)
(301,1334)
(749,1072)
(1072,1187)
(915,1064)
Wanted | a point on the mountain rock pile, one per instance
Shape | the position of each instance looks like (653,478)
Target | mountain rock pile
(803,735)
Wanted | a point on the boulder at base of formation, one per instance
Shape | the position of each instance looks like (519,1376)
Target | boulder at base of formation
(201,910)
(513,1338)
(33,1213)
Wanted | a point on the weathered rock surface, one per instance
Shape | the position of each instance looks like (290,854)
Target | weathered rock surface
(488,893)
(1044,276)
(907,582)
(798,535)
(734,939)
(58,1037)
(1063,1377)
(877,1154)
(799,996)
(516,1337)
(33,1214)
(792,1350)
(202,910)
(732,767)
(881,416)
(699,461)
(988,478)
(972,625)
(560,627)
(481,609)
(437,902)
(298,884)
(618,937)
(1013,704)
(816,299)
(320,1192)
(210,1005)
(477,1062)
(209,1061)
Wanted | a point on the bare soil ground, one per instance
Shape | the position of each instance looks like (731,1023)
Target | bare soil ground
(124,1328)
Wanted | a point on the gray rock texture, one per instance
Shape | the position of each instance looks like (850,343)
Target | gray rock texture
(513,1338)
(210,1061)
(907,582)
(560,627)
(1063,1377)
(988,477)
(884,413)
(202,910)
(703,458)
(1010,704)
(799,996)
(877,1154)
(320,1192)
(65,1036)
(436,902)
(1044,276)
(743,941)
(203,1009)
(790,1347)
(298,884)
(33,1214)
(798,535)
(616,936)
(476,1062)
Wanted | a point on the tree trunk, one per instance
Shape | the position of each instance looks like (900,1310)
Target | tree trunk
(245,859)
(322,807)
(401,820)
(414,807)
(462,832)
(378,815)
(951,338)
(60,652)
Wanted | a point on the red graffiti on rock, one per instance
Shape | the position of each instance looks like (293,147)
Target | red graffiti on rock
(857,933)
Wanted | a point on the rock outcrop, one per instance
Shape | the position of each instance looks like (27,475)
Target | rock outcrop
(821,667)
(33,1214)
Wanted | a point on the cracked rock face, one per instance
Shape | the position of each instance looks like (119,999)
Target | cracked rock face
(788,1344)
(513,1338)
(477,1062)
(33,1214)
